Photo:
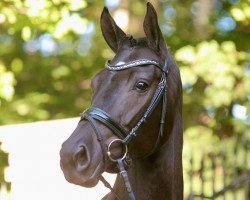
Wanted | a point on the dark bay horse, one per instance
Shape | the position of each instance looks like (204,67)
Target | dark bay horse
(137,104)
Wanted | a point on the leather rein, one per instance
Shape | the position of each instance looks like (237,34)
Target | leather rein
(96,114)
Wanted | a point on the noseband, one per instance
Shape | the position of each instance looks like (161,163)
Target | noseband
(96,114)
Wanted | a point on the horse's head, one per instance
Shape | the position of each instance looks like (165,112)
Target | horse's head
(124,95)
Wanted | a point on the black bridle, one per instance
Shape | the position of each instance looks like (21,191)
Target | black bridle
(96,114)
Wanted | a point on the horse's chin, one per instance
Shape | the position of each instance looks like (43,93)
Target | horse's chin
(85,179)
(90,183)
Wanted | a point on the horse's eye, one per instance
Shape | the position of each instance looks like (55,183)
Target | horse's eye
(141,86)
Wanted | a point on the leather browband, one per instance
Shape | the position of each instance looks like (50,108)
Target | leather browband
(136,63)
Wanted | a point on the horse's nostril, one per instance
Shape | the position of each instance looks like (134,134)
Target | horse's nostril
(81,159)
(82,155)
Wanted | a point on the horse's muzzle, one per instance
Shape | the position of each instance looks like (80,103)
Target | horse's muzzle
(81,158)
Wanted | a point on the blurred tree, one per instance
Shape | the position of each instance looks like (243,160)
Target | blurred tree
(53,48)
(6,84)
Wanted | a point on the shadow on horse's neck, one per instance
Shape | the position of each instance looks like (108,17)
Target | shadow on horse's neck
(158,176)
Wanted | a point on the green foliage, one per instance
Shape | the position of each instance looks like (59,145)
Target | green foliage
(214,165)
(48,85)
(6,84)
(241,12)
(3,165)
(211,71)
(55,84)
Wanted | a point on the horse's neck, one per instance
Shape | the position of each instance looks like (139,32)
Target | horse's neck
(148,179)
(146,176)
(157,177)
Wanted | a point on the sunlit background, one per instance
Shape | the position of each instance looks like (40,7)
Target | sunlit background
(34,170)
(50,50)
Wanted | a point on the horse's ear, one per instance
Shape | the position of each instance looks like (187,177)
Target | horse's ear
(152,30)
(111,32)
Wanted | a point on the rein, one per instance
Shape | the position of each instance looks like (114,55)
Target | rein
(96,114)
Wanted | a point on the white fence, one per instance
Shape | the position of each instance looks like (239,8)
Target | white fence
(34,170)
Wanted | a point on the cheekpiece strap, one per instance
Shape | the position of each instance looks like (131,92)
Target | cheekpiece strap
(154,102)
(124,175)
